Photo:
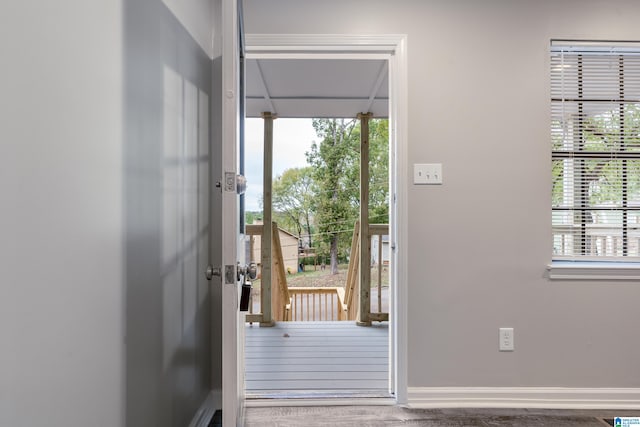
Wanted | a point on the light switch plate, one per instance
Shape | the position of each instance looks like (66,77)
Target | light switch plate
(427,173)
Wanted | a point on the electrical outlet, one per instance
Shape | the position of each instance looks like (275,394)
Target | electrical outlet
(506,339)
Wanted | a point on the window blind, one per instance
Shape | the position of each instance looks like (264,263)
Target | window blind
(595,146)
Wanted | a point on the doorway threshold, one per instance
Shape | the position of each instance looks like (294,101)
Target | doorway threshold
(271,398)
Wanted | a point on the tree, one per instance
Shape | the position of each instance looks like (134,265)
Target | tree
(333,161)
(602,178)
(336,172)
(612,131)
(292,199)
(379,171)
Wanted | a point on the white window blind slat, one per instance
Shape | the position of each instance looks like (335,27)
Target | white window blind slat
(595,145)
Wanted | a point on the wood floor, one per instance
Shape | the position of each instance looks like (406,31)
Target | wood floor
(316,357)
(387,416)
(294,361)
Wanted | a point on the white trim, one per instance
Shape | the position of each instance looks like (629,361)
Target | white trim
(356,43)
(317,55)
(204,414)
(392,47)
(399,113)
(524,397)
(602,45)
(593,271)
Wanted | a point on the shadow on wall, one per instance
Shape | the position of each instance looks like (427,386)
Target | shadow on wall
(167,97)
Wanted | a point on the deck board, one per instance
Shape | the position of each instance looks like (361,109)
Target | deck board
(314,356)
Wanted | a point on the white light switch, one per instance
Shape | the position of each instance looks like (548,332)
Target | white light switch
(427,173)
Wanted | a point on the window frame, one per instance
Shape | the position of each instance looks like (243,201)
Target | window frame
(580,264)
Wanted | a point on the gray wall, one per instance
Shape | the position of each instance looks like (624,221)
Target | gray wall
(167,155)
(479,104)
(61,255)
(105,316)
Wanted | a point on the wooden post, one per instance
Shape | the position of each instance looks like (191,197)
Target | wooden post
(364,304)
(267,231)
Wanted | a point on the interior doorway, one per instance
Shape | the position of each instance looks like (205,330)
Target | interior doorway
(297,67)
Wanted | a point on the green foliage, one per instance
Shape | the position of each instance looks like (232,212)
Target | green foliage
(379,171)
(322,200)
(250,217)
(603,132)
(292,198)
(601,178)
(333,163)
(336,173)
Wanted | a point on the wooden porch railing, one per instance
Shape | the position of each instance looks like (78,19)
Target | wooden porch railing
(279,298)
(295,303)
(379,230)
(319,303)
(352,286)
(599,240)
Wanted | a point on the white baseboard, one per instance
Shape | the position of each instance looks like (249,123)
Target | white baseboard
(524,397)
(205,412)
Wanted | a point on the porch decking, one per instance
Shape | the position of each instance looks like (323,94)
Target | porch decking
(307,357)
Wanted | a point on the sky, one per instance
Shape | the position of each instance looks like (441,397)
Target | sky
(292,138)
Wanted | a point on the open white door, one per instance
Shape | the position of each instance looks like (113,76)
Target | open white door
(232,358)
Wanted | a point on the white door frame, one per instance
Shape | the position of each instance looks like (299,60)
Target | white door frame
(394,49)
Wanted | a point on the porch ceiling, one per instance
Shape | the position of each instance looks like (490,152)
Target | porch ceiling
(317,88)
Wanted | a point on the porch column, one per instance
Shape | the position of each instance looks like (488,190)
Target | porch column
(267,232)
(364,275)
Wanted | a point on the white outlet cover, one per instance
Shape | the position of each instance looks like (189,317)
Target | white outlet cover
(506,339)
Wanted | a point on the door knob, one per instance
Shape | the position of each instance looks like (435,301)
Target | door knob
(212,271)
